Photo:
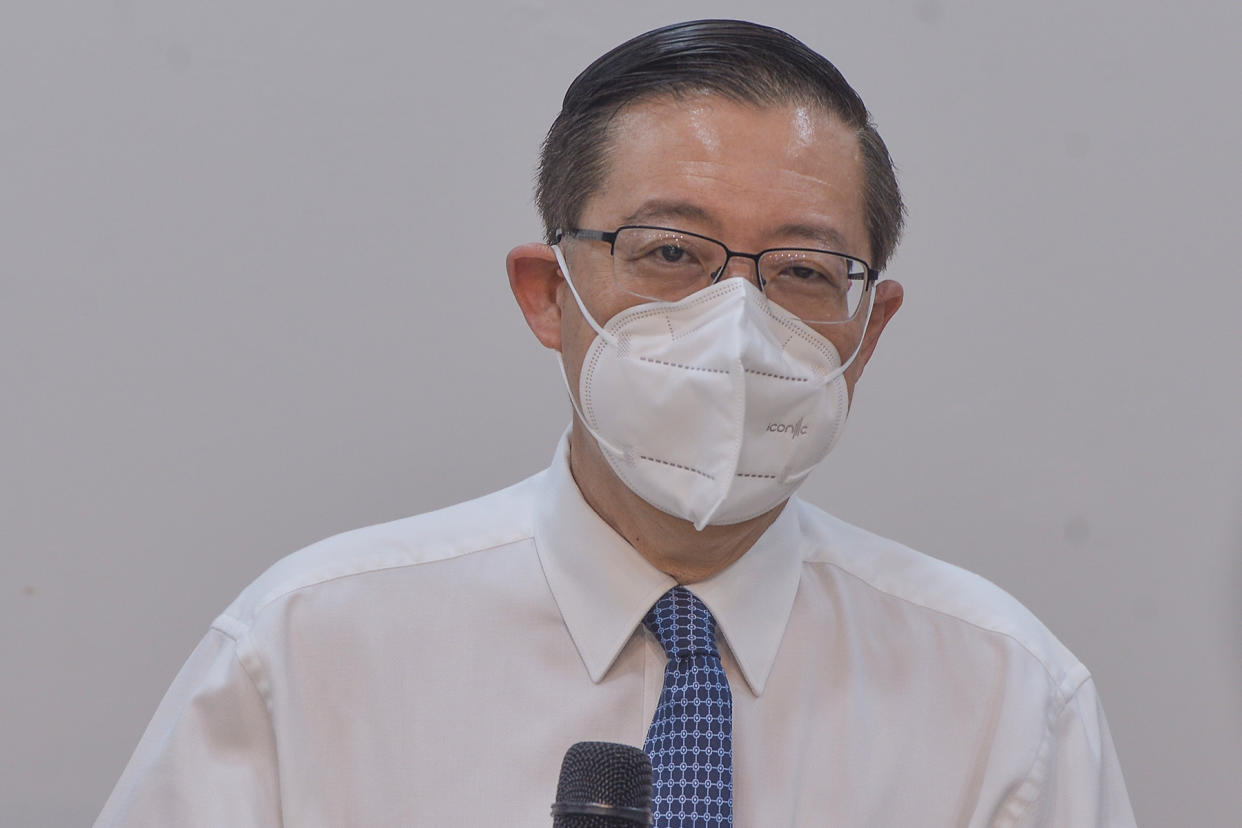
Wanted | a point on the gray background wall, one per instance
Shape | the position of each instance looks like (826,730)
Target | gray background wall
(252,294)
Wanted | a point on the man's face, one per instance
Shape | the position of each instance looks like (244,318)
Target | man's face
(752,177)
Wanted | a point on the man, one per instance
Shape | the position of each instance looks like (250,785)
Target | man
(718,208)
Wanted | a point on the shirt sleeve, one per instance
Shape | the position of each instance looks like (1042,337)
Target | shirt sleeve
(208,758)
(1082,786)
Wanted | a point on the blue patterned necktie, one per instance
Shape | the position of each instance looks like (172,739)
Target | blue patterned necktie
(691,737)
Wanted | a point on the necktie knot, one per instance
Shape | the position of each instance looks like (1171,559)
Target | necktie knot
(683,625)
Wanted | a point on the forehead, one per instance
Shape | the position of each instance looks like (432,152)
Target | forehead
(744,172)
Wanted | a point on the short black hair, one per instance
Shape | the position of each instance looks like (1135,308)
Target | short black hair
(741,61)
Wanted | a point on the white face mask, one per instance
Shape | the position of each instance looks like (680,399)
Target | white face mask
(713,408)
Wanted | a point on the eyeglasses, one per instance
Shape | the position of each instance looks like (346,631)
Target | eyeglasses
(663,264)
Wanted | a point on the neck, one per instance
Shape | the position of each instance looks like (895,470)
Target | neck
(668,543)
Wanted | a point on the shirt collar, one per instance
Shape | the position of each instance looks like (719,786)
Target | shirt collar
(603,586)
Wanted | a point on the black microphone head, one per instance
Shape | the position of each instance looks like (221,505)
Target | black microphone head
(603,785)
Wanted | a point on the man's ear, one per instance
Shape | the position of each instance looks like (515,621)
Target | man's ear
(888,298)
(536,281)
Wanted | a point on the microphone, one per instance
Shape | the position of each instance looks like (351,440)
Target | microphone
(603,785)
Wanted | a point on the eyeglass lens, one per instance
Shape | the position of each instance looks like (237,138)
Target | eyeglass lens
(667,265)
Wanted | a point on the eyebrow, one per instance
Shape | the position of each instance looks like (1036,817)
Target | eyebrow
(657,209)
(820,233)
(662,209)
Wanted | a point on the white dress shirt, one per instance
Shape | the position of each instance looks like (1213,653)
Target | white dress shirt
(432,671)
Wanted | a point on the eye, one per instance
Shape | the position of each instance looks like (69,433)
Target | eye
(671,253)
(808,270)
(805,273)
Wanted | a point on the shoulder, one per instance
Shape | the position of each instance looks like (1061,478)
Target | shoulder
(496,520)
(932,591)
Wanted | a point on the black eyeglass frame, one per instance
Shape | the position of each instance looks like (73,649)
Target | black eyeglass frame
(871,275)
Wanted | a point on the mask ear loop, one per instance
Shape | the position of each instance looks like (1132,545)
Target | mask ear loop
(866,321)
(582,418)
(560,361)
(560,259)
(839,370)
